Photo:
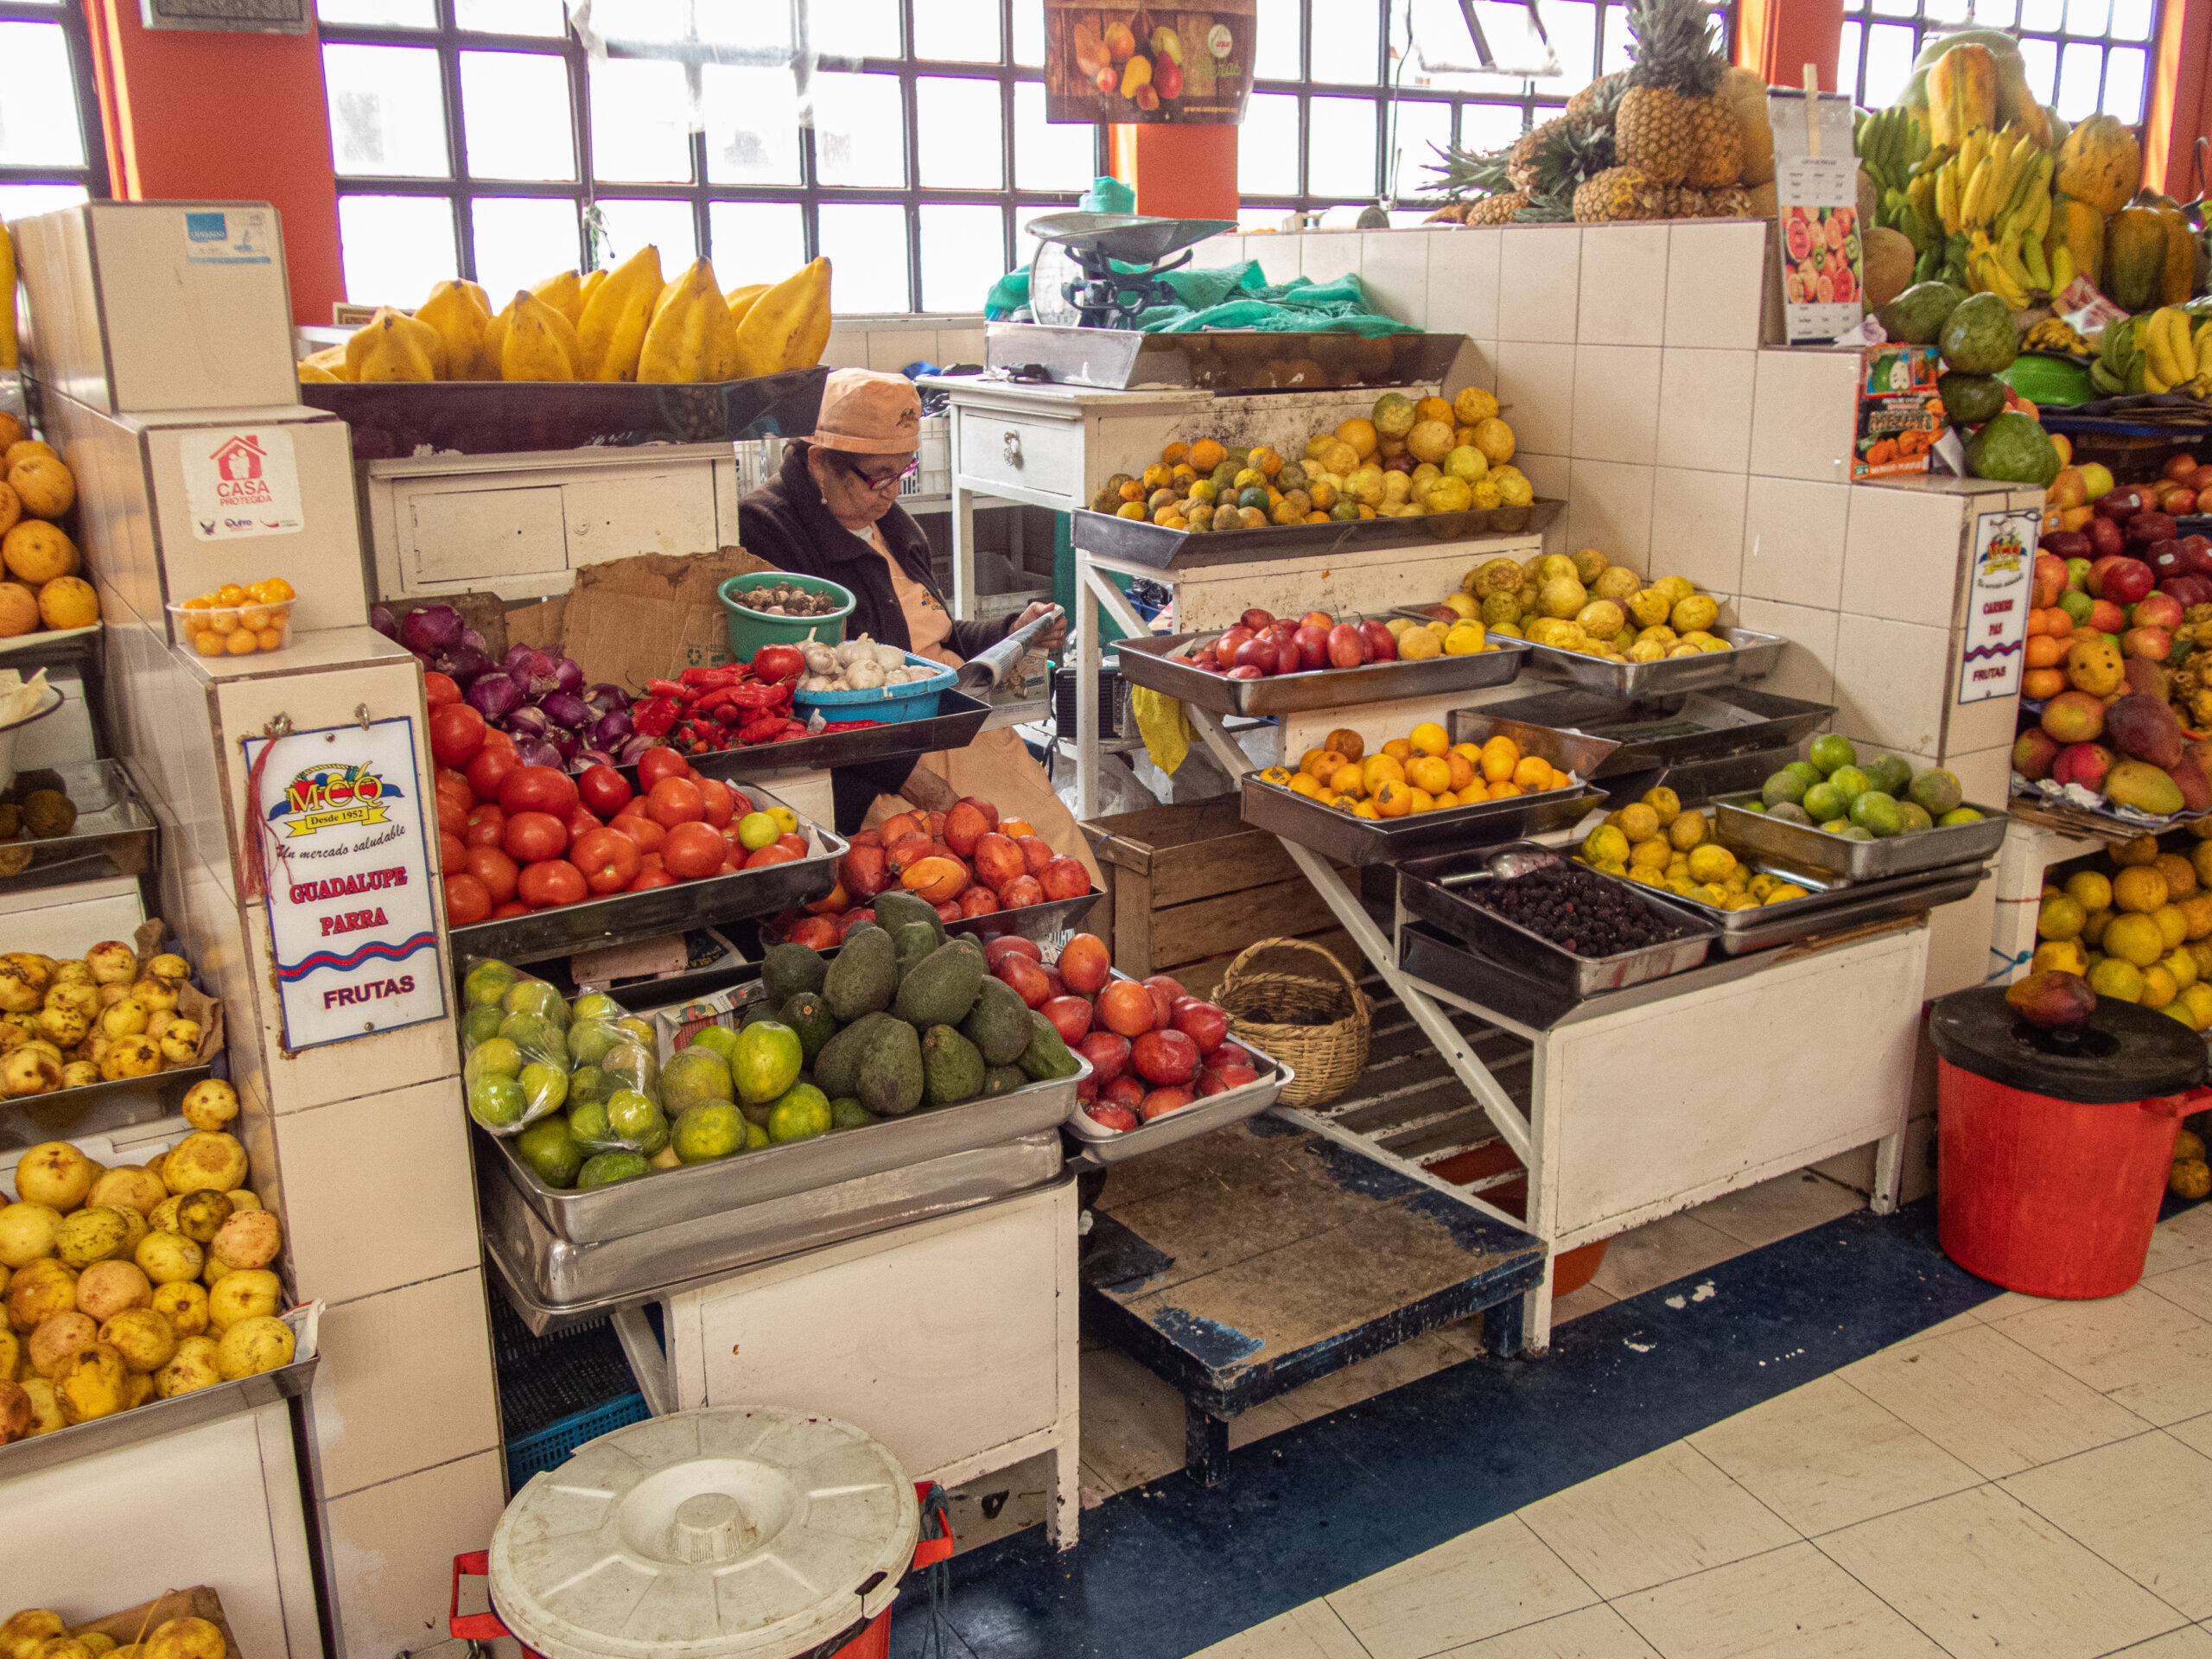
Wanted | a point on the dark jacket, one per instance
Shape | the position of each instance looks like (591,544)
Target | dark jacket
(786,522)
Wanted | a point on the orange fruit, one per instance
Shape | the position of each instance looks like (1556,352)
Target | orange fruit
(68,602)
(1399,749)
(12,431)
(1265,461)
(45,487)
(1348,779)
(1346,742)
(1206,454)
(22,447)
(2180,874)
(1500,756)
(2044,683)
(1427,772)
(1394,800)
(11,508)
(1380,769)
(19,612)
(2139,888)
(270,638)
(242,643)
(1464,771)
(1178,451)
(1534,773)
(37,552)
(1505,791)
(209,643)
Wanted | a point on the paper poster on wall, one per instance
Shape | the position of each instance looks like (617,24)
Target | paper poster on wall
(353,934)
(1144,64)
(240,484)
(1816,197)
(1994,654)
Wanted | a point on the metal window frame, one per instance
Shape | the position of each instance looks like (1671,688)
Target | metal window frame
(93,175)
(460,187)
(1861,15)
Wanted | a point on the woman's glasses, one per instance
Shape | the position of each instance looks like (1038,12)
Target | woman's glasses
(877,481)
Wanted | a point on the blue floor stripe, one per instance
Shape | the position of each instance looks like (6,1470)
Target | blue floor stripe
(1168,1568)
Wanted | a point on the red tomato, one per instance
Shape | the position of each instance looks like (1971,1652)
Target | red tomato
(608,859)
(651,878)
(716,794)
(489,770)
(690,851)
(793,844)
(491,866)
(641,829)
(496,738)
(774,662)
(466,903)
(657,764)
(675,800)
(513,907)
(775,853)
(582,822)
(740,802)
(539,789)
(551,881)
(605,790)
(487,826)
(452,850)
(439,689)
(452,775)
(456,795)
(456,733)
(649,862)
(452,821)
(532,837)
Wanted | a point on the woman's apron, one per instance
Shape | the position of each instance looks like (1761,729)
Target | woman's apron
(996,766)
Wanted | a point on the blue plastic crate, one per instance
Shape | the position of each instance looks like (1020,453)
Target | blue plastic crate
(551,1446)
(892,705)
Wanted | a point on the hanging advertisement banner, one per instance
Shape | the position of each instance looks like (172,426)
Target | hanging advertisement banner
(1993,659)
(1144,64)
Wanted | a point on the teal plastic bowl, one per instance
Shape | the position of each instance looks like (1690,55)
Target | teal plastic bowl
(750,630)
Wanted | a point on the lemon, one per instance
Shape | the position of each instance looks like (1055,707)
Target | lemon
(2182,966)
(1604,843)
(2197,999)
(1471,406)
(1651,855)
(2173,927)
(2090,890)
(1665,803)
(1687,830)
(2159,987)
(2061,918)
(1639,820)
(1646,874)
(1464,604)
(1417,645)
(1782,891)
(2093,927)
(2134,938)
(1710,862)
(1465,638)
(2139,888)
(1762,886)
(2119,980)
(2059,957)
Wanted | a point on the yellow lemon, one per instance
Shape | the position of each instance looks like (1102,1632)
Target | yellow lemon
(1418,644)
(2182,966)
(1640,820)
(2134,938)
(2060,956)
(2120,980)
(1687,830)
(1605,843)
(2061,918)
(2158,987)
(1710,862)
(2172,927)
(1665,803)
(2139,888)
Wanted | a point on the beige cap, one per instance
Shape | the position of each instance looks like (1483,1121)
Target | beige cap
(865,412)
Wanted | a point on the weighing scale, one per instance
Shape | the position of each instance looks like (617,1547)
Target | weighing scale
(1072,279)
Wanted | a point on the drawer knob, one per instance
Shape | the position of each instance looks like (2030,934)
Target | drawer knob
(1013,447)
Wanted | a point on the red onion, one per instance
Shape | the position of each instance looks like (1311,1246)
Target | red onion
(565,710)
(432,629)
(567,743)
(537,751)
(636,745)
(613,730)
(587,759)
(492,696)
(568,676)
(518,654)
(382,620)
(466,664)
(605,699)
(527,721)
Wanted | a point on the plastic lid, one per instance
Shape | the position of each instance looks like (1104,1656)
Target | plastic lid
(759,1533)
(2125,1053)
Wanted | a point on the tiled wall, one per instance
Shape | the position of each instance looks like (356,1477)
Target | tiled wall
(890,343)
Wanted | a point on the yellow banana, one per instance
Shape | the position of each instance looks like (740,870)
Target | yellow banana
(538,343)
(7,300)
(787,326)
(2158,351)
(2009,261)
(1946,199)
(2061,268)
(691,337)
(395,347)
(613,327)
(2032,261)
(2152,380)
(564,292)
(740,299)
(452,310)
(331,361)
(2183,349)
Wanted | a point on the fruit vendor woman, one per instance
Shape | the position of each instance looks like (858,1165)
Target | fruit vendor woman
(833,512)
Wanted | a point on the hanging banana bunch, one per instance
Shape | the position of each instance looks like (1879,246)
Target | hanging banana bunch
(1993,202)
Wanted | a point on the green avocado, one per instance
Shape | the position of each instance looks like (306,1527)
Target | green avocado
(942,987)
(899,908)
(999,1023)
(837,1067)
(807,1015)
(1047,1056)
(787,969)
(891,1083)
(952,1070)
(864,978)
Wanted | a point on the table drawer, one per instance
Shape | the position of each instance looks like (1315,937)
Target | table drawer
(1042,456)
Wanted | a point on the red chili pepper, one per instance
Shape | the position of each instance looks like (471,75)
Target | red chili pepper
(654,717)
(708,679)
(848,725)
(763,730)
(796,732)
(715,702)
(665,688)
(727,715)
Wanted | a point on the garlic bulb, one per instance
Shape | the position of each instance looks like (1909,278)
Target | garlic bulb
(864,676)
(890,657)
(818,682)
(820,659)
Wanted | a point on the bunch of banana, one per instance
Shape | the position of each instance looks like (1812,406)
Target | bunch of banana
(1992,199)
(2056,334)
(2173,359)
(1891,144)
(625,324)
(2119,366)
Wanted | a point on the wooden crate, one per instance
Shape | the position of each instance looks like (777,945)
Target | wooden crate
(1189,886)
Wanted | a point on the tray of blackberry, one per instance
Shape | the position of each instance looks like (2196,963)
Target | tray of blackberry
(1540,913)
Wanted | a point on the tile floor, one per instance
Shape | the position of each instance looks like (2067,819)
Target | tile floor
(2032,1478)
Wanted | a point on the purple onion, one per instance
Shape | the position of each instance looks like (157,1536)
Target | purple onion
(587,759)
(474,641)
(565,710)
(539,672)
(605,699)
(466,664)
(612,731)
(382,620)
(524,720)
(518,654)
(569,676)
(433,628)
(567,743)
(537,751)
(492,696)
(636,745)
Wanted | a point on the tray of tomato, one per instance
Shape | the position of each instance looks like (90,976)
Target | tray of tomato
(538,864)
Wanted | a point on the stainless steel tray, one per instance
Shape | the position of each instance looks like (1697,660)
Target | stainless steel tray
(1359,841)
(553,1285)
(958,718)
(1681,729)
(157,1418)
(1225,359)
(1832,907)
(1575,752)
(31,1120)
(619,917)
(1103,1146)
(1042,922)
(1435,958)
(1111,537)
(1802,846)
(114,834)
(1754,657)
(1435,890)
(1147,663)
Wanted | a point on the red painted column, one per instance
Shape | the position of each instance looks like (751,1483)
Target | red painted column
(1778,38)
(2181,99)
(1177,172)
(203,115)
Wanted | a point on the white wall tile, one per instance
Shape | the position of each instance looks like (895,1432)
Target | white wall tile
(405,1384)
(1278,252)
(1609,507)
(1803,414)
(1535,392)
(847,349)
(1715,274)
(1617,402)
(1549,475)
(1970,726)
(1890,687)
(1324,255)
(1793,541)
(892,349)
(1807,666)
(1697,528)
(1705,409)
(1477,368)
(1985,775)
(1462,275)
(1901,555)
(959,345)
(1624,280)
(390,1552)
(1394,268)
(1538,282)
(1227,249)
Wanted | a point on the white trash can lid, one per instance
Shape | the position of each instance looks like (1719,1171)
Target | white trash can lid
(728,1534)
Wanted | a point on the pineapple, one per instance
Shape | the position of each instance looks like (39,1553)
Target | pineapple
(1685,202)
(1601,96)
(1521,160)
(1534,180)
(1730,201)
(1670,125)
(1496,210)
(1620,194)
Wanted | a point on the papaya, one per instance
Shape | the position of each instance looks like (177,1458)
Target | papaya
(2101,164)
(2015,102)
(2150,256)
(2079,227)
(1961,93)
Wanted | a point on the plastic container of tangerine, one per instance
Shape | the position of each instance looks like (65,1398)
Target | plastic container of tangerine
(254,626)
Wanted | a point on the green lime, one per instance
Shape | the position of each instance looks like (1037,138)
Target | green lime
(721,1038)
(596,1005)
(535,1034)
(1833,826)
(1856,832)
(551,1151)
(486,983)
(546,1085)
(1786,813)
(633,1116)
(588,1124)
(756,1136)
(1824,801)
(1830,751)
(497,1102)
(802,1113)
(1877,813)
(766,1061)
(1890,774)
(1912,818)
(587,1082)
(756,830)
(1757,807)
(608,1167)
(481,1024)
(849,1113)
(1963,815)
(702,1134)
(1938,791)
(535,996)
(1806,770)
(640,1031)
(498,1057)
(1785,785)
(589,1039)
(1851,781)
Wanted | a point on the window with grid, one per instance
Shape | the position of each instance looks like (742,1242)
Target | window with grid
(2081,56)
(480,138)
(51,150)
(1352,98)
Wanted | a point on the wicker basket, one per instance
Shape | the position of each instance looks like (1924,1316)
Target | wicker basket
(1317,1026)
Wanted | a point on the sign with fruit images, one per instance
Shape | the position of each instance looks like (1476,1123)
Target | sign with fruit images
(1114,63)
(1816,194)
(352,934)
(1998,603)
(1900,413)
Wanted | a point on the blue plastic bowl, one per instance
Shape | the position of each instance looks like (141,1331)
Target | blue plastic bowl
(891,705)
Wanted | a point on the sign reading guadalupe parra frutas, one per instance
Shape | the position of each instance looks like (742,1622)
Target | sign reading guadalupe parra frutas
(1147,63)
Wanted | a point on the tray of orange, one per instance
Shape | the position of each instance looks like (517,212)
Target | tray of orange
(237,620)
(1422,793)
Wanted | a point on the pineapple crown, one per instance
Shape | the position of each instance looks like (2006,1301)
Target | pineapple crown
(1572,150)
(1672,45)
(1468,173)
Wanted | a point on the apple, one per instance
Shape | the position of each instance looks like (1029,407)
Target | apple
(2127,581)
(2196,555)
(2095,581)
(1256,620)
(2105,617)
(1382,644)
(2032,755)
(2077,569)
(2064,545)
(2180,467)
(2050,579)
(2156,611)
(2164,559)
(2105,538)
(1313,643)
(1347,646)
(2153,645)
(2200,480)
(2181,501)
(1224,649)
(2191,589)
(2122,501)
(2147,526)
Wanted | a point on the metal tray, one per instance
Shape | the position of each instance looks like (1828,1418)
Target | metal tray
(1435,958)
(1832,907)
(958,719)
(1434,890)
(554,1285)
(1147,663)
(1224,359)
(1359,841)
(157,1418)
(31,1120)
(544,934)
(114,834)
(1754,657)
(1102,1148)
(1671,731)
(1802,847)
(1135,542)
(492,417)
(1042,923)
